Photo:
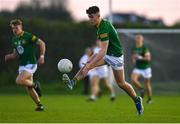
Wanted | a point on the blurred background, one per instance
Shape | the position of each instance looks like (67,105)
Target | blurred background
(63,25)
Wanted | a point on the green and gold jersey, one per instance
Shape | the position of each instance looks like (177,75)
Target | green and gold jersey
(141,64)
(106,31)
(25,47)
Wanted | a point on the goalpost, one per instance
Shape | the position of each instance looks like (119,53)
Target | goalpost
(164,45)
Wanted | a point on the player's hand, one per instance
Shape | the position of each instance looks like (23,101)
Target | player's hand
(139,57)
(41,60)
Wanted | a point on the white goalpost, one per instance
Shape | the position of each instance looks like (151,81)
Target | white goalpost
(164,45)
(149,31)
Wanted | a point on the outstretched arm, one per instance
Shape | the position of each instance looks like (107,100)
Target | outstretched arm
(98,56)
(92,62)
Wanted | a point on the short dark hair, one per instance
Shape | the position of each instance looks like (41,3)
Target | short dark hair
(15,22)
(92,10)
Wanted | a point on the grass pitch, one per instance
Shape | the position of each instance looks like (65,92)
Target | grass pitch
(75,108)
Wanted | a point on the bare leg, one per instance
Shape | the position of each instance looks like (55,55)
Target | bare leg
(94,87)
(148,87)
(80,75)
(137,84)
(33,93)
(135,81)
(119,76)
(109,86)
(26,79)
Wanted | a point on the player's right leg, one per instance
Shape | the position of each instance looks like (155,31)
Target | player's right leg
(135,80)
(24,79)
(79,76)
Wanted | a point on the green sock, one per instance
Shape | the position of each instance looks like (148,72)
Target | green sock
(135,99)
(39,104)
(74,80)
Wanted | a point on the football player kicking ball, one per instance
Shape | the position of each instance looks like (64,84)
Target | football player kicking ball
(24,45)
(111,53)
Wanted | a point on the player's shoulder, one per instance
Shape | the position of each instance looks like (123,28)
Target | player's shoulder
(28,33)
(134,47)
(145,46)
(105,22)
(104,25)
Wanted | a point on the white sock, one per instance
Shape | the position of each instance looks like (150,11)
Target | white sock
(113,95)
(93,97)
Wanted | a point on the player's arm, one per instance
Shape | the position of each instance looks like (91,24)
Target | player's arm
(13,55)
(147,56)
(98,56)
(134,58)
(92,61)
(42,48)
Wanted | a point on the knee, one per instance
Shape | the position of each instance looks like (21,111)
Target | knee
(19,81)
(122,84)
(134,79)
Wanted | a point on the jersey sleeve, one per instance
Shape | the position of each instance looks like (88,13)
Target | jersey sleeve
(146,50)
(33,38)
(134,50)
(103,33)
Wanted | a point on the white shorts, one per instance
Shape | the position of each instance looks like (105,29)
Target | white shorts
(31,68)
(145,73)
(101,72)
(117,63)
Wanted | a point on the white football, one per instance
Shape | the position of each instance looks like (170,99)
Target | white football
(65,65)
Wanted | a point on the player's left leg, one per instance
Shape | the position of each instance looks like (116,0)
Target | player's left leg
(25,78)
(119,76)
(79,75)
(117,64)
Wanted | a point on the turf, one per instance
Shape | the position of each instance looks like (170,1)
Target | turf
(75,108)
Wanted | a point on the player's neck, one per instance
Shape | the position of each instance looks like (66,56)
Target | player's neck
(99,21)
(139,45)
(21,34)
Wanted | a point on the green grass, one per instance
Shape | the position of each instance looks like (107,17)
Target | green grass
(75,108)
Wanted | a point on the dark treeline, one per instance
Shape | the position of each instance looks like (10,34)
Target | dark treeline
(64,38)
(56,10)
